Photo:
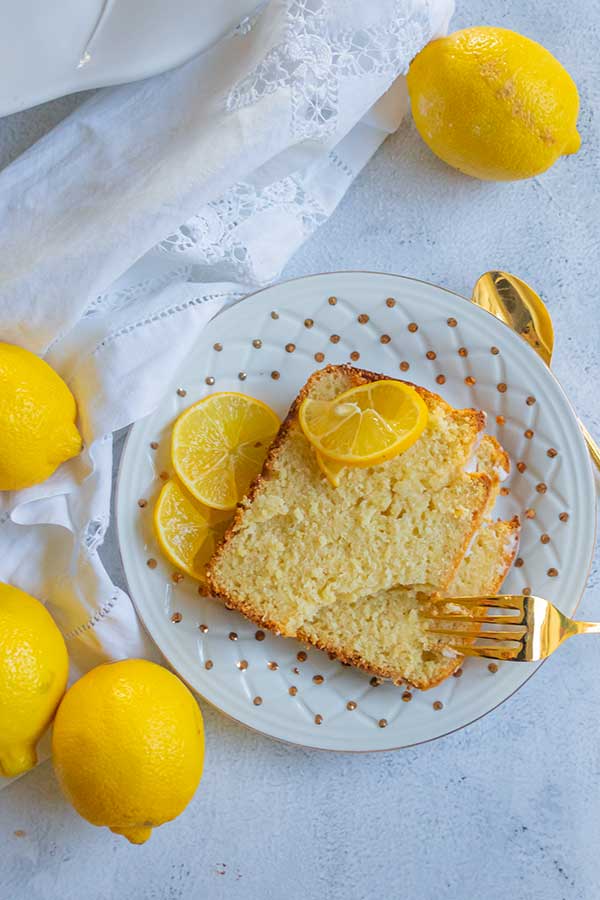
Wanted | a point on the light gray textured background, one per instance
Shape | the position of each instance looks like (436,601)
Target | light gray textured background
(508,808)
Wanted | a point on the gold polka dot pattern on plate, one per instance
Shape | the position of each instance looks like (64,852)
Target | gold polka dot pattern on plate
(181,392)
(318,679)
(208,664)
(363,318)
(233,636)
(218,347)
(335,338)
(462,351)
(318,719)
(519,562)
(351,705)
(275,375)
(521,466)
(501,387)
(493,667)
(552,572)
(289,348)
(526,592)
(504,491)
(272,665)
(382,723)
(209,380)
(528,434)
(154,445)
(319,357)
(564,517)
(494,351)
(530,400)
(242,376)
(407,696)
(151,563)
(164,476)
(176,617)
(332,301)
(301,656)
(452,322)
(384,339)
(390,302)
(500,420)
(355,355)
(375,681)
(441,379)
(545,538)
(203,629)
(470,380)
(242,664)
(457,673)
(530,513)
(177,577)
(404,366)
(541,488)
(412,327)
(274,315)
(259,635)
(292,690)
(142,503)
(437,705)
(308,323)
(551,452)
(431,354)
(257,701)
(257,343)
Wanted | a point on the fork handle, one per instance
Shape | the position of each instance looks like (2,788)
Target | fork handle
(587,627)
(591,443)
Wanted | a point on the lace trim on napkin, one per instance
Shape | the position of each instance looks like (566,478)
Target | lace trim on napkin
(315,54)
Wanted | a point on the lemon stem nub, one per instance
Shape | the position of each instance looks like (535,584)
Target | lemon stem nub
(134,835)
(16,760)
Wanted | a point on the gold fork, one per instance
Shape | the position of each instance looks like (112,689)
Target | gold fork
(537,629)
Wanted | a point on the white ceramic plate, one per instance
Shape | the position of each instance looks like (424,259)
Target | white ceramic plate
(266,346)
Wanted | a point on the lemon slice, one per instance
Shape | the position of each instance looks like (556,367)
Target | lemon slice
(366,425)
(330,469)
(187,531)
(219,446)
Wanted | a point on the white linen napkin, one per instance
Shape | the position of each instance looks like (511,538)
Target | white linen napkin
(139,217)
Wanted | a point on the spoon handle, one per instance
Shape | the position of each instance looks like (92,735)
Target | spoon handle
(591,444)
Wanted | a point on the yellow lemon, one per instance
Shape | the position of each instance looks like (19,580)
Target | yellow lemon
(37,419)
(128,747)
(187,531)
(33,675)
(219,445)
(365,425)
(494,104)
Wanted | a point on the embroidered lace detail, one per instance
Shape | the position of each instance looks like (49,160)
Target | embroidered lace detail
(216,234)
(315,55)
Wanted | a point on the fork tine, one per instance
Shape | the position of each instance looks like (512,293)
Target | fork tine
(506,601)
(488,652)
(439,616)
(478,633)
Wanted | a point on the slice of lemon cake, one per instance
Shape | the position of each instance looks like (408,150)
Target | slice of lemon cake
(297,544)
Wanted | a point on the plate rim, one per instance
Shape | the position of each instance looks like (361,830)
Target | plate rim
(406,746)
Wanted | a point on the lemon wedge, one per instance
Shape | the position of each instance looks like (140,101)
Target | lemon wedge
(187,531)
(365,425)
(219,445)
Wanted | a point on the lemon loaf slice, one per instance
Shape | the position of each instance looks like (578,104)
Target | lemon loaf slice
(384,633)
(297,544)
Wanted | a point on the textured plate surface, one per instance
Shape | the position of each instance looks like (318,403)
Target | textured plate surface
(267,346)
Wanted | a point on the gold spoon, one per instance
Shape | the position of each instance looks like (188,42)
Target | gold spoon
(516,304)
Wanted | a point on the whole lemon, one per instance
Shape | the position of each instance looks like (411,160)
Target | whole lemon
(33,675)
(493,103)
(37,419)
(128,747)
